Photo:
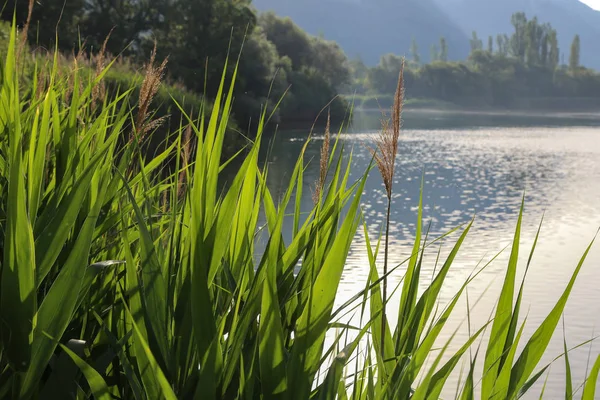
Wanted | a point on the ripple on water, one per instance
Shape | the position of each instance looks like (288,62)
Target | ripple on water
(484,172)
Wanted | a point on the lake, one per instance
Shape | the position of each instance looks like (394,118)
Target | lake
(481,165)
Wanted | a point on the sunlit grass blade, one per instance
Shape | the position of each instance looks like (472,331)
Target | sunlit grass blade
(18,298)
(568,376)
(537,345)
(468,392)
(420,391)
(438,380)
(532,381)
(221,231)
(420,354)
(136,315)
(334,379)
(312,324)
(420,314)
(385,356)
(154,291)
(407,295)
(501,386)
(55,223)
(271,345)
(57,308)
(166,390)
(589,390)
(502,318)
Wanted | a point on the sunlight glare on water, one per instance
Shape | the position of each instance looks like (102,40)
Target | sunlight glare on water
(483,171)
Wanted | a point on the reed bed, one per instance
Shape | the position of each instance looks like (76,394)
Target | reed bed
(126,276)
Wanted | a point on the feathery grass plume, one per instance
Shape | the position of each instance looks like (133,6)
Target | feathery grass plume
(165,201)
(99,90)
(152,80)
(42,81)
(385,157)
(185,157)
(387,141)
(80,57)
(323,162)
(25,30)
(79,60)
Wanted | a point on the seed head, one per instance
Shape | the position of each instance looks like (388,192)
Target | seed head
(324,161)
(386,142)
(152,80)
(99,90)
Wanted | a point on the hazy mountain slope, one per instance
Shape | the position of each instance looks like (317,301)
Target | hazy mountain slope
(569,17)
(372,28)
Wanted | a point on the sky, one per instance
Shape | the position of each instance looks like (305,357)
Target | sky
(595,4)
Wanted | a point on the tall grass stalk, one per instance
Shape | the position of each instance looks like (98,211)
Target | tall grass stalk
(385,156)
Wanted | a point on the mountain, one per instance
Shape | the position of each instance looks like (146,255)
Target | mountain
(568,17)
(372,28)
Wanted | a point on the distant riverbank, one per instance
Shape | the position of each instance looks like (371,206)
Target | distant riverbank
(592,115)
(547,106)
(421,113)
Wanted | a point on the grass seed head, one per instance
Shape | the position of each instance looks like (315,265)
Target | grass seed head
(185,156)
(386,142)
(152,79)
(323,162)
(99,90)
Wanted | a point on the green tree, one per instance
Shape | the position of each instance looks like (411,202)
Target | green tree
(195,34)
(533,41)
(45,18)
(318,68)
(259,65)
(414,51)
(289,39)
(382,75)
(575,53)
(307,52)
(502,44)
(125,21)
(553,51)
(328,58)
(443,50)
(476,43)
(359,72)
(518,41)
(544,50)
(493,78)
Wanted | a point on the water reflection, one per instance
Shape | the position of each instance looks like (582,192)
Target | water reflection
(472,167)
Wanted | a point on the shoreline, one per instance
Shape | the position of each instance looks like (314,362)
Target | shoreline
(592,115)
(457,111)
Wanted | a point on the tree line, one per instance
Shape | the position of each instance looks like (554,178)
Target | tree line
(197,36)
(523,69)
(280,60)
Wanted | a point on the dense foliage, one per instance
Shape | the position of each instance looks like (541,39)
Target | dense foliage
(521,70)
(197,37)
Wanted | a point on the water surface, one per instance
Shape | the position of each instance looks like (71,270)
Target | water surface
(481,166)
